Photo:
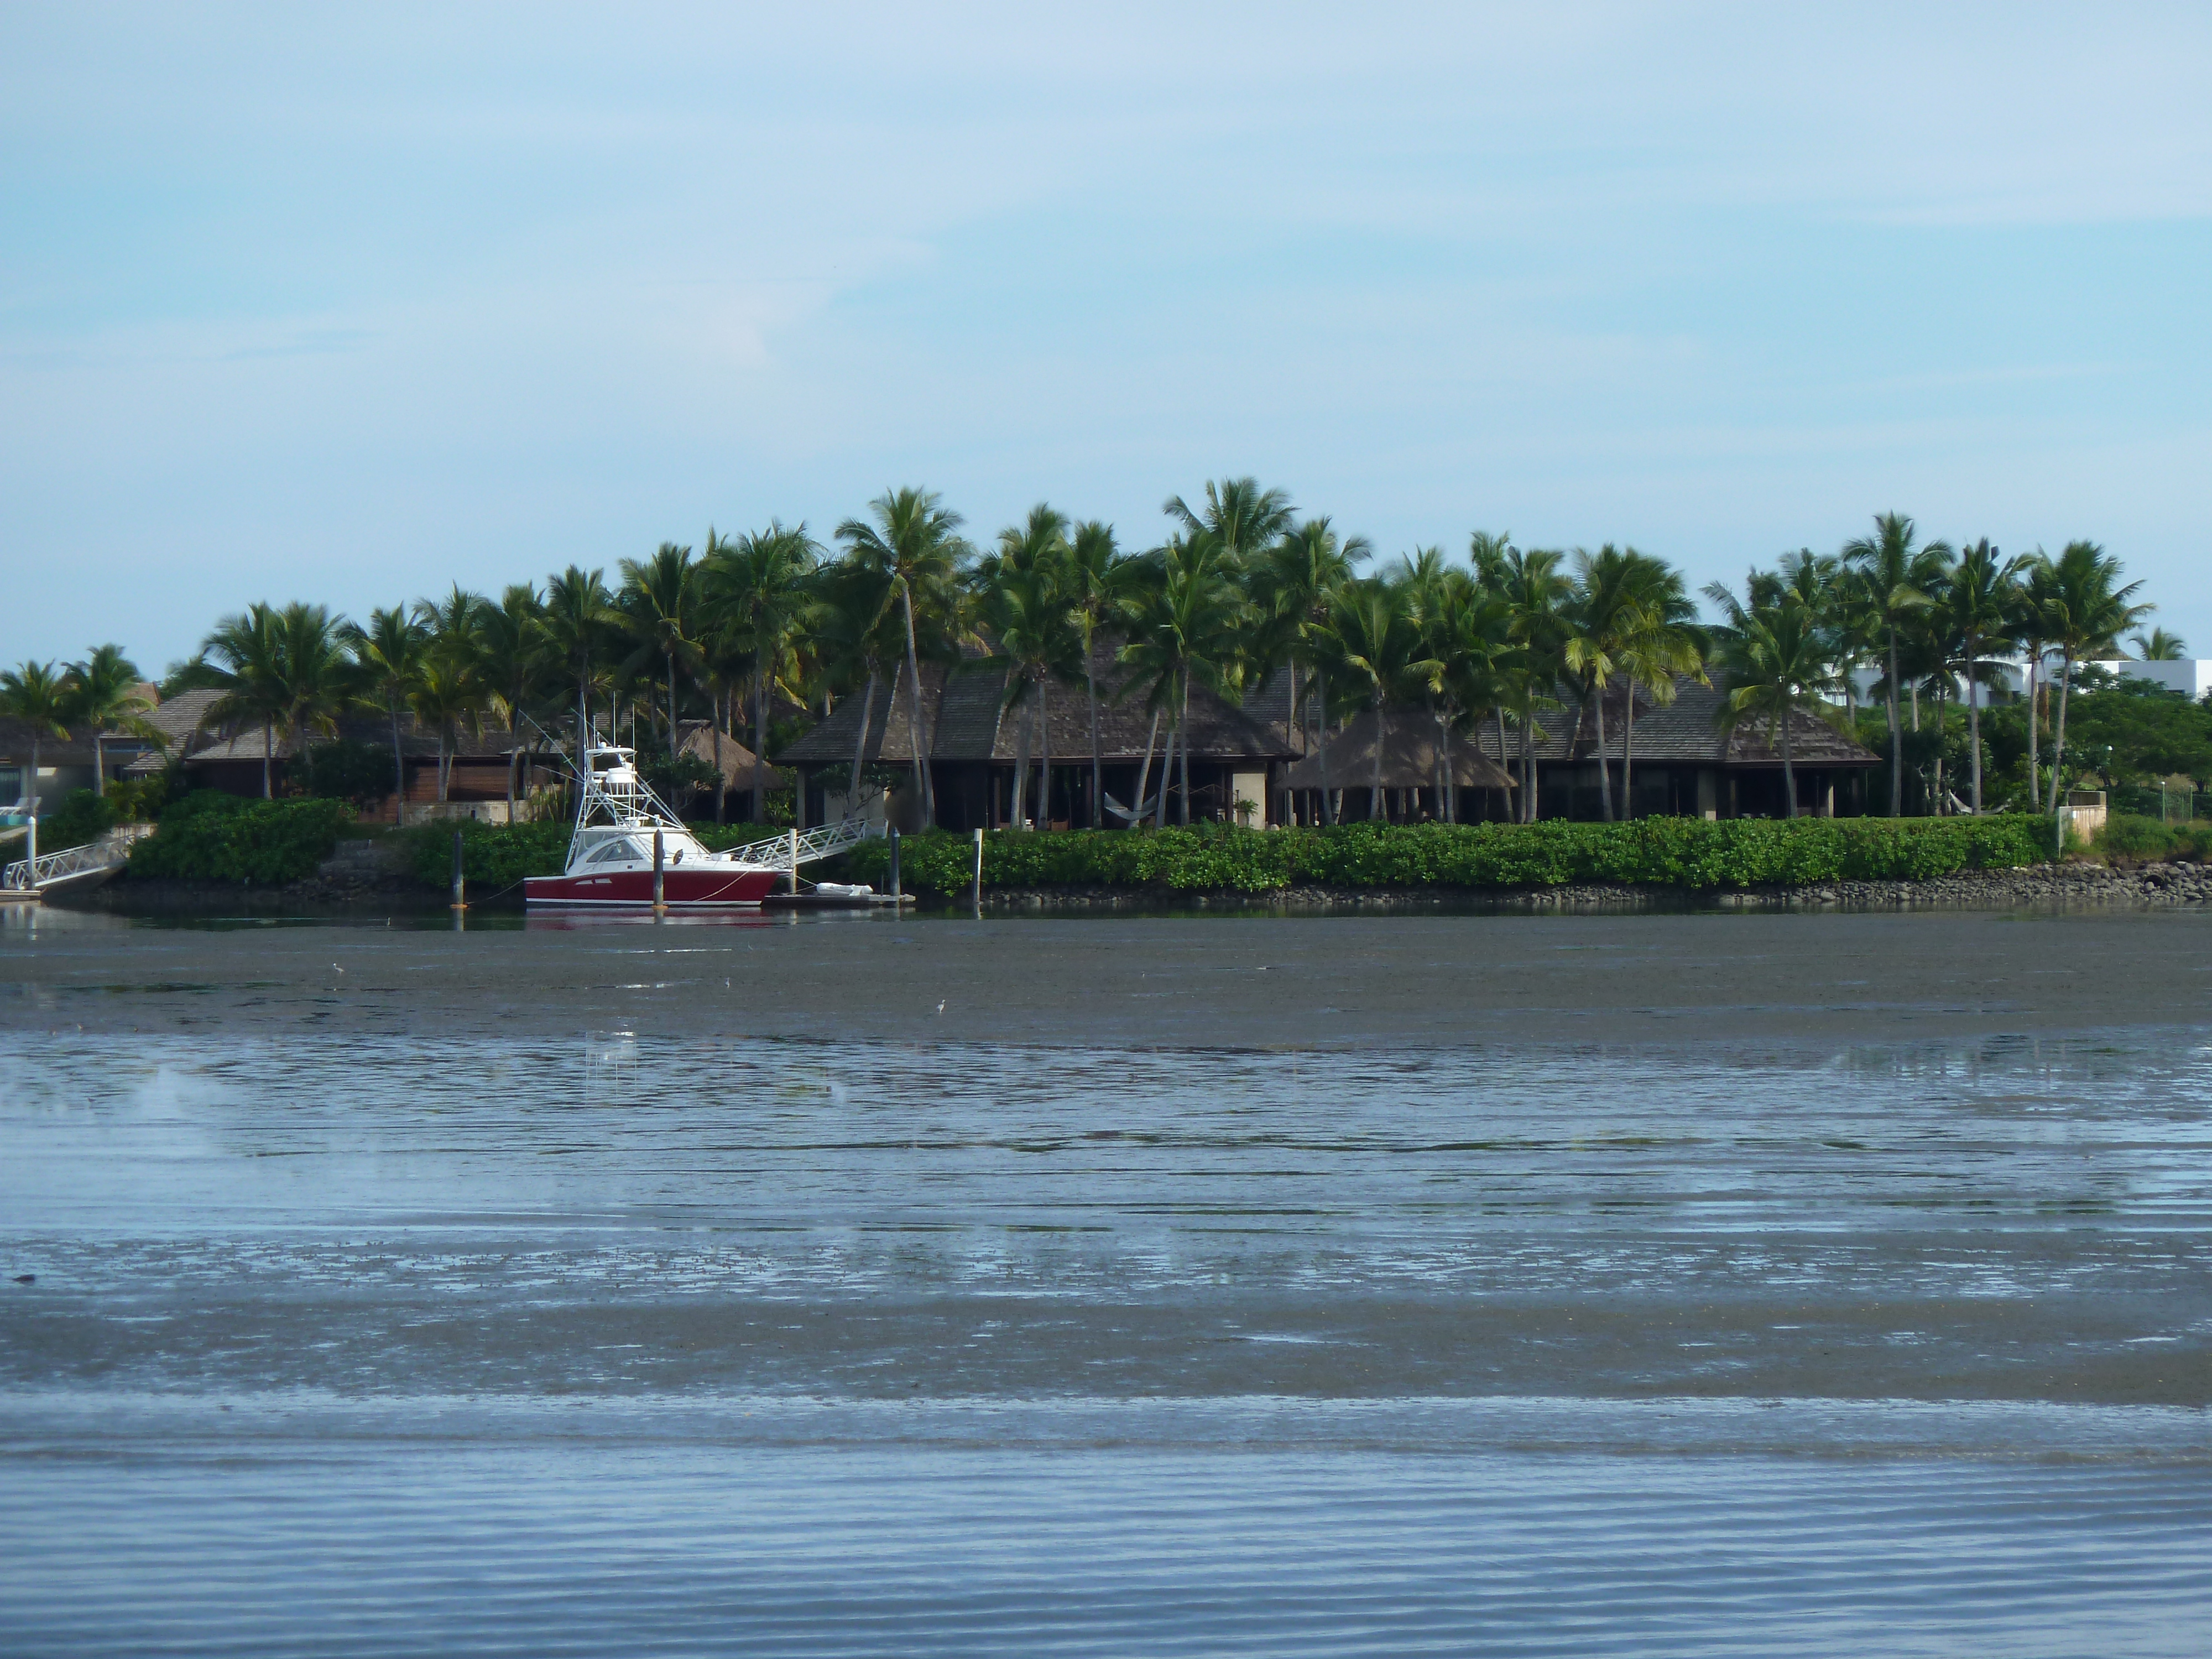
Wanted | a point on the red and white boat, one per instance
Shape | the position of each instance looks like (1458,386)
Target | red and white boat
(611,852)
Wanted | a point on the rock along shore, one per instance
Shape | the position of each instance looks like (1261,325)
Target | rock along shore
(2157,886)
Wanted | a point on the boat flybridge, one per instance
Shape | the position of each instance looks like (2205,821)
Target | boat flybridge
(611,853)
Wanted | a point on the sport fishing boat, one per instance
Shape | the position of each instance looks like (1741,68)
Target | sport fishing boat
(611,853)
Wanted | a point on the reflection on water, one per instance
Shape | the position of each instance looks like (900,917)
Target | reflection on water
(609,1342)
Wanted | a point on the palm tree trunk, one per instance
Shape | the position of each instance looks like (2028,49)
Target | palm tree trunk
(510,767)
(671,706)
(760,748)
(1098,766)
(1896,737)
(860,742)
(1021,765)
(1044,769)
(1167,772)
(1183,732)
(400,771)
(2034,762)
(1327,802)
(714,716)
(921,778)
(1604,766)
(268,760)
(99,766)
(1376,813)
(1974,721)
(1628,755)
(1443,770)
(1788,772)
(1942,698)
(1145,776)
(2058,737)
(1504,755)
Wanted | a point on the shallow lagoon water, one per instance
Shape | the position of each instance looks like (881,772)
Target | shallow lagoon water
(380,1320)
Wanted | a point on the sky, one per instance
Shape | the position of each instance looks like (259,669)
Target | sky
(349,304)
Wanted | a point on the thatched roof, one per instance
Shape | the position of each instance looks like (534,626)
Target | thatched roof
(1409,758)
(1682,732)
(966,714)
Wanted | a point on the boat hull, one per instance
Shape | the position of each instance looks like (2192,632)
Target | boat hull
(693,888)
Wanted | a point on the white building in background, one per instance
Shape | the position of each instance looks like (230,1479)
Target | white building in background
(2191,678)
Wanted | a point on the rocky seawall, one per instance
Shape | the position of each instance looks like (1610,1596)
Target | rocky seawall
(2065,886)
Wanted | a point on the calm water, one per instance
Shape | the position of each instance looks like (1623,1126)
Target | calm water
(601,1341)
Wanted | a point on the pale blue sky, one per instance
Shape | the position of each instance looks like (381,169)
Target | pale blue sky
(347,307)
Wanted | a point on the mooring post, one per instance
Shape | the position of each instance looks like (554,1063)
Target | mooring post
(460,881)
(659,875)
(794,863)
(895,869)
(979,869)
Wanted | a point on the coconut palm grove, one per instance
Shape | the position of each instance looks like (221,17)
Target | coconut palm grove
(1895,676)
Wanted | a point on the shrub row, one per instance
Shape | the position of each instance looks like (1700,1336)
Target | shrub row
(2128,839)
(211,836)
(497,856)
(1666,851)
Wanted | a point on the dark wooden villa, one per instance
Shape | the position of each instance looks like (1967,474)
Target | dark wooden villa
(1681,764)
(974,744)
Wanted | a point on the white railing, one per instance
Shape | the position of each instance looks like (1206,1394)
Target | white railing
(110,852)
(791,849)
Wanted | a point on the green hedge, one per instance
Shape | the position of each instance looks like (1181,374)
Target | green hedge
(2127,838)
(211,836)
(1662,852)
(497,856)
(83,817)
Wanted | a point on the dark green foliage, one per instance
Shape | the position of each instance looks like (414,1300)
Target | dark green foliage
(82,817)
(361,773)
(140,800)
(494,856)
(1663,852)
(677,780)
(211,836)
(2126,839)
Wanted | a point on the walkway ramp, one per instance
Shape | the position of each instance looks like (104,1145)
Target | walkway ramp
(796,847)
(74,867)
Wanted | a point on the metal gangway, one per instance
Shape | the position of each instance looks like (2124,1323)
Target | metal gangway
(92,863)
(796,847)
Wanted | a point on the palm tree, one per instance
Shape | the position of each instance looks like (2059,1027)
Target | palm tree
(2085,614)
(1023,584)
(1979,603)
(388,657)
(579,615)
(317,672)
(247,652)
(1537,592)
(658,600)
(1373,644)
(913,544)
(1184,626)
(449,695)
(2031,631)
(1296,582)
(1601,614)
(2159,646)
(761,594)
(858,633)
(511,659)
(1663,643)
(1464,633)
(1241,518)
(33,693)
(104,694)
(1097,591)
(1897,573)
(1775,660)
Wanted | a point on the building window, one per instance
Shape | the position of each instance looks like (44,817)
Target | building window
(11,784)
